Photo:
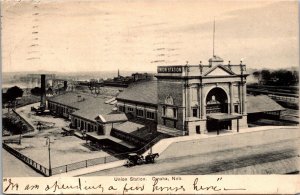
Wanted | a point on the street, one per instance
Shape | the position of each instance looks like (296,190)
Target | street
(243,152)
(273,151)
(13,167)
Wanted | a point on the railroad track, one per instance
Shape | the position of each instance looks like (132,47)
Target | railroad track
(230,164)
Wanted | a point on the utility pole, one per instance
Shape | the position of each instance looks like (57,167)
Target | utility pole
(49,152)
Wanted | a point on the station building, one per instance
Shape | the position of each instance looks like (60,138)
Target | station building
(87,113)
(191,99)
(183,100)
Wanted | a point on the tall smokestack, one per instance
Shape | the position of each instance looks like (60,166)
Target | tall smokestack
(65,85)
(43,91)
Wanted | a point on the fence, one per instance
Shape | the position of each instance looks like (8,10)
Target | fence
(73,166)
(30,127)
(12,141)
(284,98)
(36,166)
(101,160)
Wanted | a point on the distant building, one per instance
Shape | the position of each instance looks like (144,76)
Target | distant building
(141,76)
(121,81)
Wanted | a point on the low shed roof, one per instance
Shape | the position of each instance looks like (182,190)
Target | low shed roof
(109,118)
(88,106)
(223,116)
(261,103)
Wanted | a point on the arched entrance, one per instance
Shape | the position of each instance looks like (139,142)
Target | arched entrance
(217,103)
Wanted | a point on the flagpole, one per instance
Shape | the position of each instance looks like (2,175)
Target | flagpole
(214,38)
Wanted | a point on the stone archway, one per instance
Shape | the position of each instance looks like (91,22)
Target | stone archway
(216,101)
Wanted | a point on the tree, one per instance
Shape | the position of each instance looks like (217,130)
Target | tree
(265,76)
(36,91)
(296,77)
(257,75)
(4,98)
(14,92)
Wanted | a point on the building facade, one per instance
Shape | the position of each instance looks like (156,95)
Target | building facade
(198,98)
(193,99)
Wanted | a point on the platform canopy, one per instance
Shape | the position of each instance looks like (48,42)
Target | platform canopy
(262,103)
(223,116)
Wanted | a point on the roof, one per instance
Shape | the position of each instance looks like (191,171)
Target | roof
(69,99)
(88,108)
(226,69)
(95,136)
(216,59)
(261,103)
(223,116)
(111,118)
(144,92)
(129,127)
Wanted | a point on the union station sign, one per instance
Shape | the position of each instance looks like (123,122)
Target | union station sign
(169,69)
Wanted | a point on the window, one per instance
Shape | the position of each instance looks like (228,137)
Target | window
(236,108)
(195,112)
(164,121)
(139,112)
(198,129)
(150,115)
(130,109)
(121,108)
(170,112)
(174,113)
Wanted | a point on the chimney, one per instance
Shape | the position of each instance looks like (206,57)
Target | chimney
(65,85)
(43,91)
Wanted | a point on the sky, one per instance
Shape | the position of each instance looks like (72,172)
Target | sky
(103,35)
